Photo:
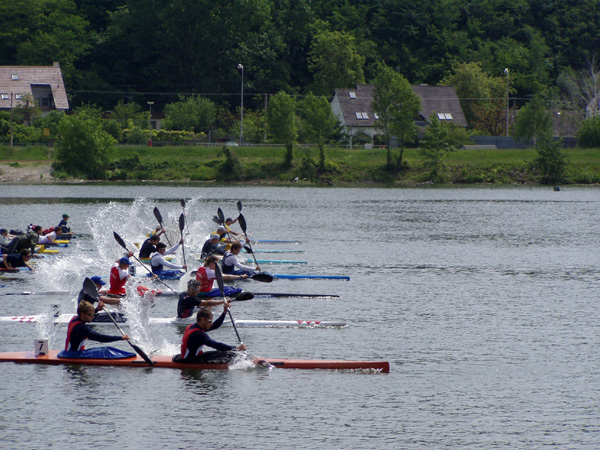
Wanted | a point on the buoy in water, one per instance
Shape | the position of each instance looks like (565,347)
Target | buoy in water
(556,188)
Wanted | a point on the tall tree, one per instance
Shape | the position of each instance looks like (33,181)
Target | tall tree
(397,106)
(281,123)
(438,143)
(320,124)
(533,121)
(335,62)
(194,113)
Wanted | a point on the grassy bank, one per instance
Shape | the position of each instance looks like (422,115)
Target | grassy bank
(263,165)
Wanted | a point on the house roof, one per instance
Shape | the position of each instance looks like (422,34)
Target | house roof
(20,79)
(434,99)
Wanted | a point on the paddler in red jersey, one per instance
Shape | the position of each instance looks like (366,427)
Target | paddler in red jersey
(118,276)
(195,338)
(206,276)
(78,332)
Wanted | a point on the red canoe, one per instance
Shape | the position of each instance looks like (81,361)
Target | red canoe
(166,361)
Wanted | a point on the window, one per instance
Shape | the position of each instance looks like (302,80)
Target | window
(352,94)
(365,115)
(14,77)
(441,116)
(448,116)
(444,116)
(362,115)
(358,115)
(4,96)
(18,96)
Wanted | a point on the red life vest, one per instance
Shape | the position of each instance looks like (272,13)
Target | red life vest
(72,324)
(206,284)
(193,328)
(117,285)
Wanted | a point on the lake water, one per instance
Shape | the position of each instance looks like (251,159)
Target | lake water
(484,301)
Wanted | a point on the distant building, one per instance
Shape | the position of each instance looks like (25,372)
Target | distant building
(42,83)
(354,108)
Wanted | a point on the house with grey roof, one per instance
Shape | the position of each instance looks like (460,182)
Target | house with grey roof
(42,83)
(354,108)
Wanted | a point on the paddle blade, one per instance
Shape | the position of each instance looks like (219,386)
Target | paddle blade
(141,352)
(181,222)
(248,249)
(182,203)
(219,277)
(216,220)
(221,215)
(242,222)
(263,277)
(239,205)
(243,296)
(157,215)
(120,241)
(89,287)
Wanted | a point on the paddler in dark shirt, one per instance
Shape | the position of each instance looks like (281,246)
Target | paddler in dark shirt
(103,299)
(149,246)
(195,338)
(29,241)
(211,247)
(78,331)
(12,262)
(188,300)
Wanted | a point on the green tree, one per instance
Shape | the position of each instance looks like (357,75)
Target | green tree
(438,143)
(533,121)
(551,161)
(83,146)
(335,62)
(194,113)
(588,135)
(397,107)
(281,123)
(320,124)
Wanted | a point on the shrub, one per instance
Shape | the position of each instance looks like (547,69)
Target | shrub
(588,134)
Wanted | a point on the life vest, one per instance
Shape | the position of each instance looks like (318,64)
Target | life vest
(72,324)
(206,283)
(185,353)
(48,230)
(227,268)
(156,268)
(117,285)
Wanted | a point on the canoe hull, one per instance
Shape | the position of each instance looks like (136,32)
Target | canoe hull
(165,361)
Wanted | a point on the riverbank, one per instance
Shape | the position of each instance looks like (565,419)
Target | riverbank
(262,165)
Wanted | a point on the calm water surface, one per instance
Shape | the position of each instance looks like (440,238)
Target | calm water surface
(483,300)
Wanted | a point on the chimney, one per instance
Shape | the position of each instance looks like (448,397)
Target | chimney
(55,64)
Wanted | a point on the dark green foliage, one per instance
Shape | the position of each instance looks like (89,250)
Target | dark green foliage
(588,135)
(231,169)
(551,161)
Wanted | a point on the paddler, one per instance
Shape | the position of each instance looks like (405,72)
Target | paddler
(48,239)
(12,262)
(149,246)
(189,300)
(63,227)
(78,332)
(118,276)
(228,222)
(206,276)
(29,241)
(5,239)
(158,261)
(211,246)
(195,338)
(230,262)
(102,300)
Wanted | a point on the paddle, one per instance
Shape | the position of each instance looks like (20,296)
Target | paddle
(216,220)
(183,207)
(221,215)
(121,242)
(160,222)
(219,277)
(181,226)
(89,287)
(243,226)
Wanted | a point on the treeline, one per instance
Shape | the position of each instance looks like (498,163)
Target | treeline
(140,50)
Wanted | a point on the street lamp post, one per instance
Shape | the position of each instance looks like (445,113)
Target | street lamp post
(240,67)
(506,71)
(150,103)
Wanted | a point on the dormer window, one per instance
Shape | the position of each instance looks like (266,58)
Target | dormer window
(358,115)
(4,96)
(18,96)
(352,94)
(14,77)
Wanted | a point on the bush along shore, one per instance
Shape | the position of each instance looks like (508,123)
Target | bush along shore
(343,166)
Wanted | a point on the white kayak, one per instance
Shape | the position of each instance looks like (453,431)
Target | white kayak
(244,323)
